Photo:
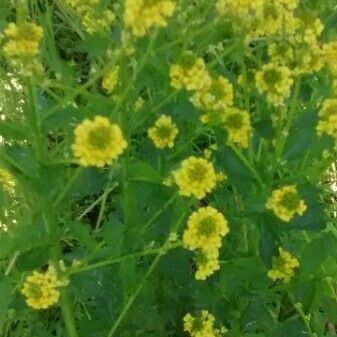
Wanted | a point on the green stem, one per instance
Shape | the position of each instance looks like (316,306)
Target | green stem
(246,162)
(68,186)
(158,213)
(67,313)
(115,260)
(154,264)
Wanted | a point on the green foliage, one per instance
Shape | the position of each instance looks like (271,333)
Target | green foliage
(107,230)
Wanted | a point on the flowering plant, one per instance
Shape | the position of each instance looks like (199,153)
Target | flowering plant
(166,168)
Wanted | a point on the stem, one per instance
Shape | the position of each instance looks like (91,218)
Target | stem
(68,186)
(142,282)
(67,313)
(111,261)
(159,212)
(246,162)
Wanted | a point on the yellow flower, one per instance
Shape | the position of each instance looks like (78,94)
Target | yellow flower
(23,41)
(164,132)
(219,95)
(6,180)
(285,202)
(205,229)
(202,326)
(196,177)
(242,9)
(142,15)
(328,119)
(237,124)
(92,16)
(207,263)
(98,142)
(276,81)
(191,75)
(41,289)
(330,56)
(283,266)
(110,80)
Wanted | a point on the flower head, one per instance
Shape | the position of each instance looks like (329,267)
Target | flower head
(276,81)
(164,132)
(196,176)
(191,74)
(237,124)
(207,263)
(22,41)
(285,202)
(98,142)
(201,326)
(91,15)
(219,95)
(205,229)
(283,266)
(142,15)
(328,119)
(110,80)
(41,289)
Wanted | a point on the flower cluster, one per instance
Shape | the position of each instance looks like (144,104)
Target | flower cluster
(214,96)
(110,80)
(142,15)
(217,96)
(41,289)
(205,229)
(237,124)
(98,142)
(285,202)
(283,266)
(201,326)
(328,119)
(275,81)
(191,74)
(92,16)
(22,45)
(164,132)
(196,177)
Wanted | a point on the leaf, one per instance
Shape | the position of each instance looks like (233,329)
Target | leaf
(113,233)
(314,218)
(267,244)
(34,258)
(12,131)
(314,255)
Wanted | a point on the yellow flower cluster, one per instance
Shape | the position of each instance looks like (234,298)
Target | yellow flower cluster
(283,266)
(23,41)
(98,142)
(205,229)
(330,56)
(275,81)
(110,80)
(196,177)
(237,124)
(41,289)
(242,9)
(164,132)
(217,96)
(22,46)
(328,118)
(91,15)
(202,326)
(285,202)
(142,15)
(6,180)
(191,75)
